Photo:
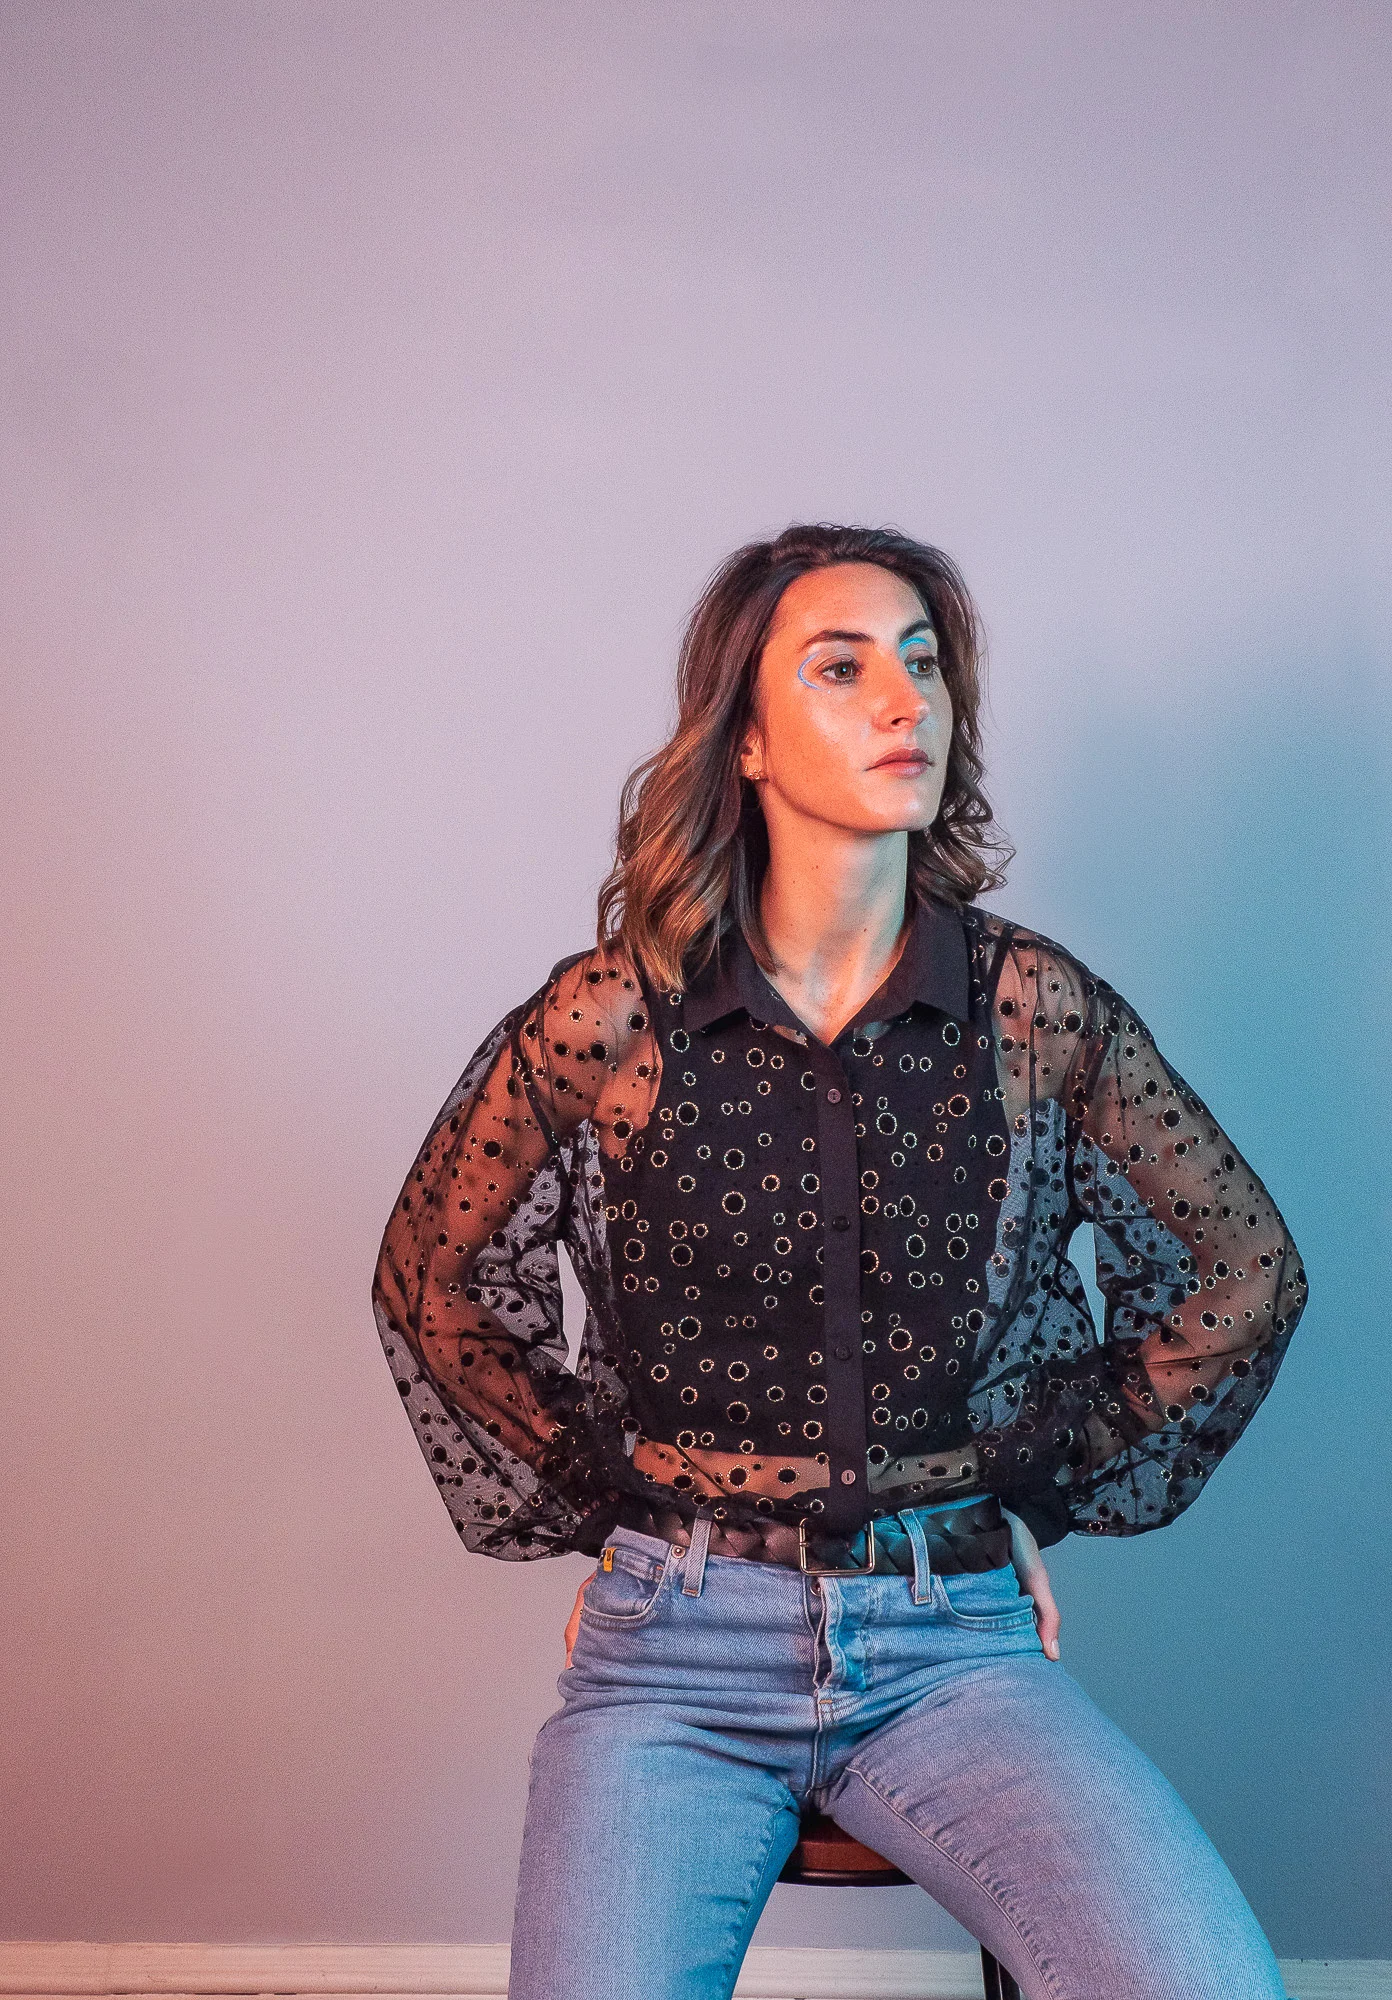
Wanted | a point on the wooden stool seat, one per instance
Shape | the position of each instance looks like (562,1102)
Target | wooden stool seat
(827,1857)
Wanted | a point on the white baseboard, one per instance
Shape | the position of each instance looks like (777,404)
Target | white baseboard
(479,1972)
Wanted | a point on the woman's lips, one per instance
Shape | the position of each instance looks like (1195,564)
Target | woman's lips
(911,761)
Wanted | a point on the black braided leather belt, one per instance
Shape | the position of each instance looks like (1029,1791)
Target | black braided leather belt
(974,1536)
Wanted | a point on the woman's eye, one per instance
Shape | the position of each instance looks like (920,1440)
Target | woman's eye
(924,664)
(840,670)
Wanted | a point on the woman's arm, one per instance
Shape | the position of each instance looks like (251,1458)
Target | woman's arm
(1202,1281)
(467,1286)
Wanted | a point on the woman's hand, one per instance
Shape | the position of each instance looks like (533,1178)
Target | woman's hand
(1034,1578)
(573,1622)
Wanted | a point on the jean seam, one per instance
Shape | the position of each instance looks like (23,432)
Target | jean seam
(965,1869)
(741,1928)
(1004,1621)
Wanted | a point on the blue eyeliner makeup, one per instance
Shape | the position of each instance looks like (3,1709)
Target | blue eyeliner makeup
(801,673)
(918,639)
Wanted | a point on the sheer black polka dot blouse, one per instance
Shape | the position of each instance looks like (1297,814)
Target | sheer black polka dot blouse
(829,1281)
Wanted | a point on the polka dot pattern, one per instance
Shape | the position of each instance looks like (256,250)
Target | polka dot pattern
(829,1281)
(721,1244)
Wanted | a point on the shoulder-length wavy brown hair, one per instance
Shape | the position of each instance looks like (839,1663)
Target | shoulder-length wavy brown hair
(691,847)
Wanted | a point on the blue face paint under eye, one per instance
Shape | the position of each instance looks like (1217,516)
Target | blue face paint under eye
(802,672)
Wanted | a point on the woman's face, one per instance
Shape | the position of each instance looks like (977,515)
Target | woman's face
(854,721)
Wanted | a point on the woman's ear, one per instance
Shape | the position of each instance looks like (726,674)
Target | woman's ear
(751,758)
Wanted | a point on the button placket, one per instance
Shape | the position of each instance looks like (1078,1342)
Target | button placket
(846,1501)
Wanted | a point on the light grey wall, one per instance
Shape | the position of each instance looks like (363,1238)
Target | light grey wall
(381,381)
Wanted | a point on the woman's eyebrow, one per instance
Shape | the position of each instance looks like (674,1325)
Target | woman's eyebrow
(867,638)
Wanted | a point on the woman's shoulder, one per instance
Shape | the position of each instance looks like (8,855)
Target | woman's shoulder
(604,975)
(589,1041)
(593,1003)
(1025,940)
(1036,976)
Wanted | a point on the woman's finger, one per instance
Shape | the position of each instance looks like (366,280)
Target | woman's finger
(1033,1577)
(1046,1613)
(573,1622)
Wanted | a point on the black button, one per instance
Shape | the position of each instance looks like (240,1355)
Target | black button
(843,1353)
(840,1221)
(833,1097)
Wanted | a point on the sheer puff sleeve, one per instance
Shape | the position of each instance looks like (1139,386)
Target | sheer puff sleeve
(467,1292)
(1202,1283)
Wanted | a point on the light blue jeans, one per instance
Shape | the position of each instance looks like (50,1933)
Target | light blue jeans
(709,1700)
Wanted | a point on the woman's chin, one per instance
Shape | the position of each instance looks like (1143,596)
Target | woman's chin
(903,818)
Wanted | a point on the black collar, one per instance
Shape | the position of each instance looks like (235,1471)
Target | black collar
(932,967)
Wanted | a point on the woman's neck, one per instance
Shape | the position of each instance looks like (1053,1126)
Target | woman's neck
(836,920)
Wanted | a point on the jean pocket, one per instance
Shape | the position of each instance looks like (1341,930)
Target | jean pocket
(984,1600)
(627,1587)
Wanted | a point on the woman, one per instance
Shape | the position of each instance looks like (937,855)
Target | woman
(816,1131)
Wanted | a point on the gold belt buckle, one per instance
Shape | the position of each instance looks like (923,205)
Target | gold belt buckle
(822,1569)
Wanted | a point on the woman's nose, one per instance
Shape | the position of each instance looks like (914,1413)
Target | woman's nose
(904,700)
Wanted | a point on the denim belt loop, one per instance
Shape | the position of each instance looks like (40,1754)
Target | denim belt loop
(922,1585)
(694,1565)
